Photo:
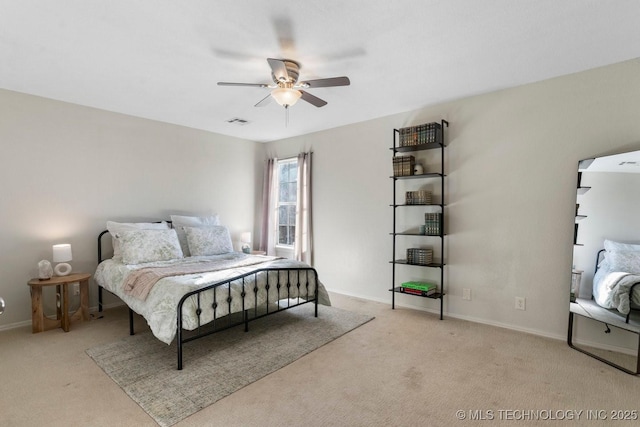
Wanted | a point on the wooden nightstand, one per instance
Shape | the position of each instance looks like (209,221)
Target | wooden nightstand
(42,323)
(258,253)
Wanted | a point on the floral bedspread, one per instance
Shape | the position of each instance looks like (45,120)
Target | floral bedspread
(159,307)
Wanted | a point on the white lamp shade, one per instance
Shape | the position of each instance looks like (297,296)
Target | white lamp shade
(286,96)
(62,253)
(245,237)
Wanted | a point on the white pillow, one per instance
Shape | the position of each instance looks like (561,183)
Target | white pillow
(118,227)
(205,241)
(624,261)
(138,246)
(612,246)
(180,221)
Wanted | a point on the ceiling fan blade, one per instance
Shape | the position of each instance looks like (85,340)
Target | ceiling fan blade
(242,84)
(264,101)
(333,81)
(279,69)
(314,100)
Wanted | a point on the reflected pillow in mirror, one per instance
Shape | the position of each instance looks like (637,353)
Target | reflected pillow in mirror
(624,261)
(206,241)
(612,246)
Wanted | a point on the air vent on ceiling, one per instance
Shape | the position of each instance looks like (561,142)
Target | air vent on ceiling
(238,121)
(628,164)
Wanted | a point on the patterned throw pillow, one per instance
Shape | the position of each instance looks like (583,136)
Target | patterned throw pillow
(118,227)
(138,246)
(181,221)
(206,241)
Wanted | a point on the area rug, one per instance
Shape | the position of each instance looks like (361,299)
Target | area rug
(220,364)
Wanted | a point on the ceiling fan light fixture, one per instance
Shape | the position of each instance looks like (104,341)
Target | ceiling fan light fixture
(286,96)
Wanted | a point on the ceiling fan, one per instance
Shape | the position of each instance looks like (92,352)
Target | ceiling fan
(286,87)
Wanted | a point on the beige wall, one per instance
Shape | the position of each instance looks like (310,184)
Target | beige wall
(66,169)
(511,165)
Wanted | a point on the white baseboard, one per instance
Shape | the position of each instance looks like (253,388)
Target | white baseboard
(15,325)
(537,332)
(93,309)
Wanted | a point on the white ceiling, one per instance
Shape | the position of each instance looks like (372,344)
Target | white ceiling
(161,59)
(623,163)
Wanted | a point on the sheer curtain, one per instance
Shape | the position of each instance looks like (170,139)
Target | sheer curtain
(269,206)
(303,244)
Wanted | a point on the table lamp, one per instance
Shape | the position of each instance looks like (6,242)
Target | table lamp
(245,238)
(61,255)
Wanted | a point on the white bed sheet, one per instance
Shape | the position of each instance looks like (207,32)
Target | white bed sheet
(611,290)
(159,307)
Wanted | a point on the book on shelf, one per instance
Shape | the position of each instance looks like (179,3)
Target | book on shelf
(419,256)
(420,197)
(433,223)
(403,165)
(417,291)
(421,286)
(427,133)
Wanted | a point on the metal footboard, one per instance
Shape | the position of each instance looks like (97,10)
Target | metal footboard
(258,299)
(281,290)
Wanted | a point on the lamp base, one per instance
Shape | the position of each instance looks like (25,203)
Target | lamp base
(246,249)
(62,269)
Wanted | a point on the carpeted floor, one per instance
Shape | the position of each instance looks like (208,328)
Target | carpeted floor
(217,365)
(404,368)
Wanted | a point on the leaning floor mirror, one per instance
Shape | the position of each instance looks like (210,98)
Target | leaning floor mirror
(604,319)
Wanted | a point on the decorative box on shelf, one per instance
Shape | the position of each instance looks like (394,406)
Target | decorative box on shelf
(403,165)
(427,133)
(419,256)
(433,223)
(420,197)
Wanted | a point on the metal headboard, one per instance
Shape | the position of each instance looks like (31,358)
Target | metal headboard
(599,258)
(100,259)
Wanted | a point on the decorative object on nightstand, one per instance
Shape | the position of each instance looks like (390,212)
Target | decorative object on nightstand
(576,279)
(1,305)
(45,271)
(62,255)
(245,238)
(40,322)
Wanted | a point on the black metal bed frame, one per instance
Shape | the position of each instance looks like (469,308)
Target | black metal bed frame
(595,356)
(598,256)
(184,336)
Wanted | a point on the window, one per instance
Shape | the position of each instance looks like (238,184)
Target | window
(287,201)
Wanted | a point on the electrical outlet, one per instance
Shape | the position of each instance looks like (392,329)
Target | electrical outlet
(76,288)
(520,303)
(466,294)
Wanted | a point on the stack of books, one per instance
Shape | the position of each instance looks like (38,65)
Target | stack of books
(419,288)
(419,256)
(403,165)
(427,133)
(433,223)
(420,197)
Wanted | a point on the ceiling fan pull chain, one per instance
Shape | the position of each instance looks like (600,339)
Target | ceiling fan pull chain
(286,116)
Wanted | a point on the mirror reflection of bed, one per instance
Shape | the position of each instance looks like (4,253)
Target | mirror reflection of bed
(606,261)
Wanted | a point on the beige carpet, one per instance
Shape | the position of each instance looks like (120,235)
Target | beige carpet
(217,365)
(404,368)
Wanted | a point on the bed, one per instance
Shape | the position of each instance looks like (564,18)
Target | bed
(190,284)
(616,281)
